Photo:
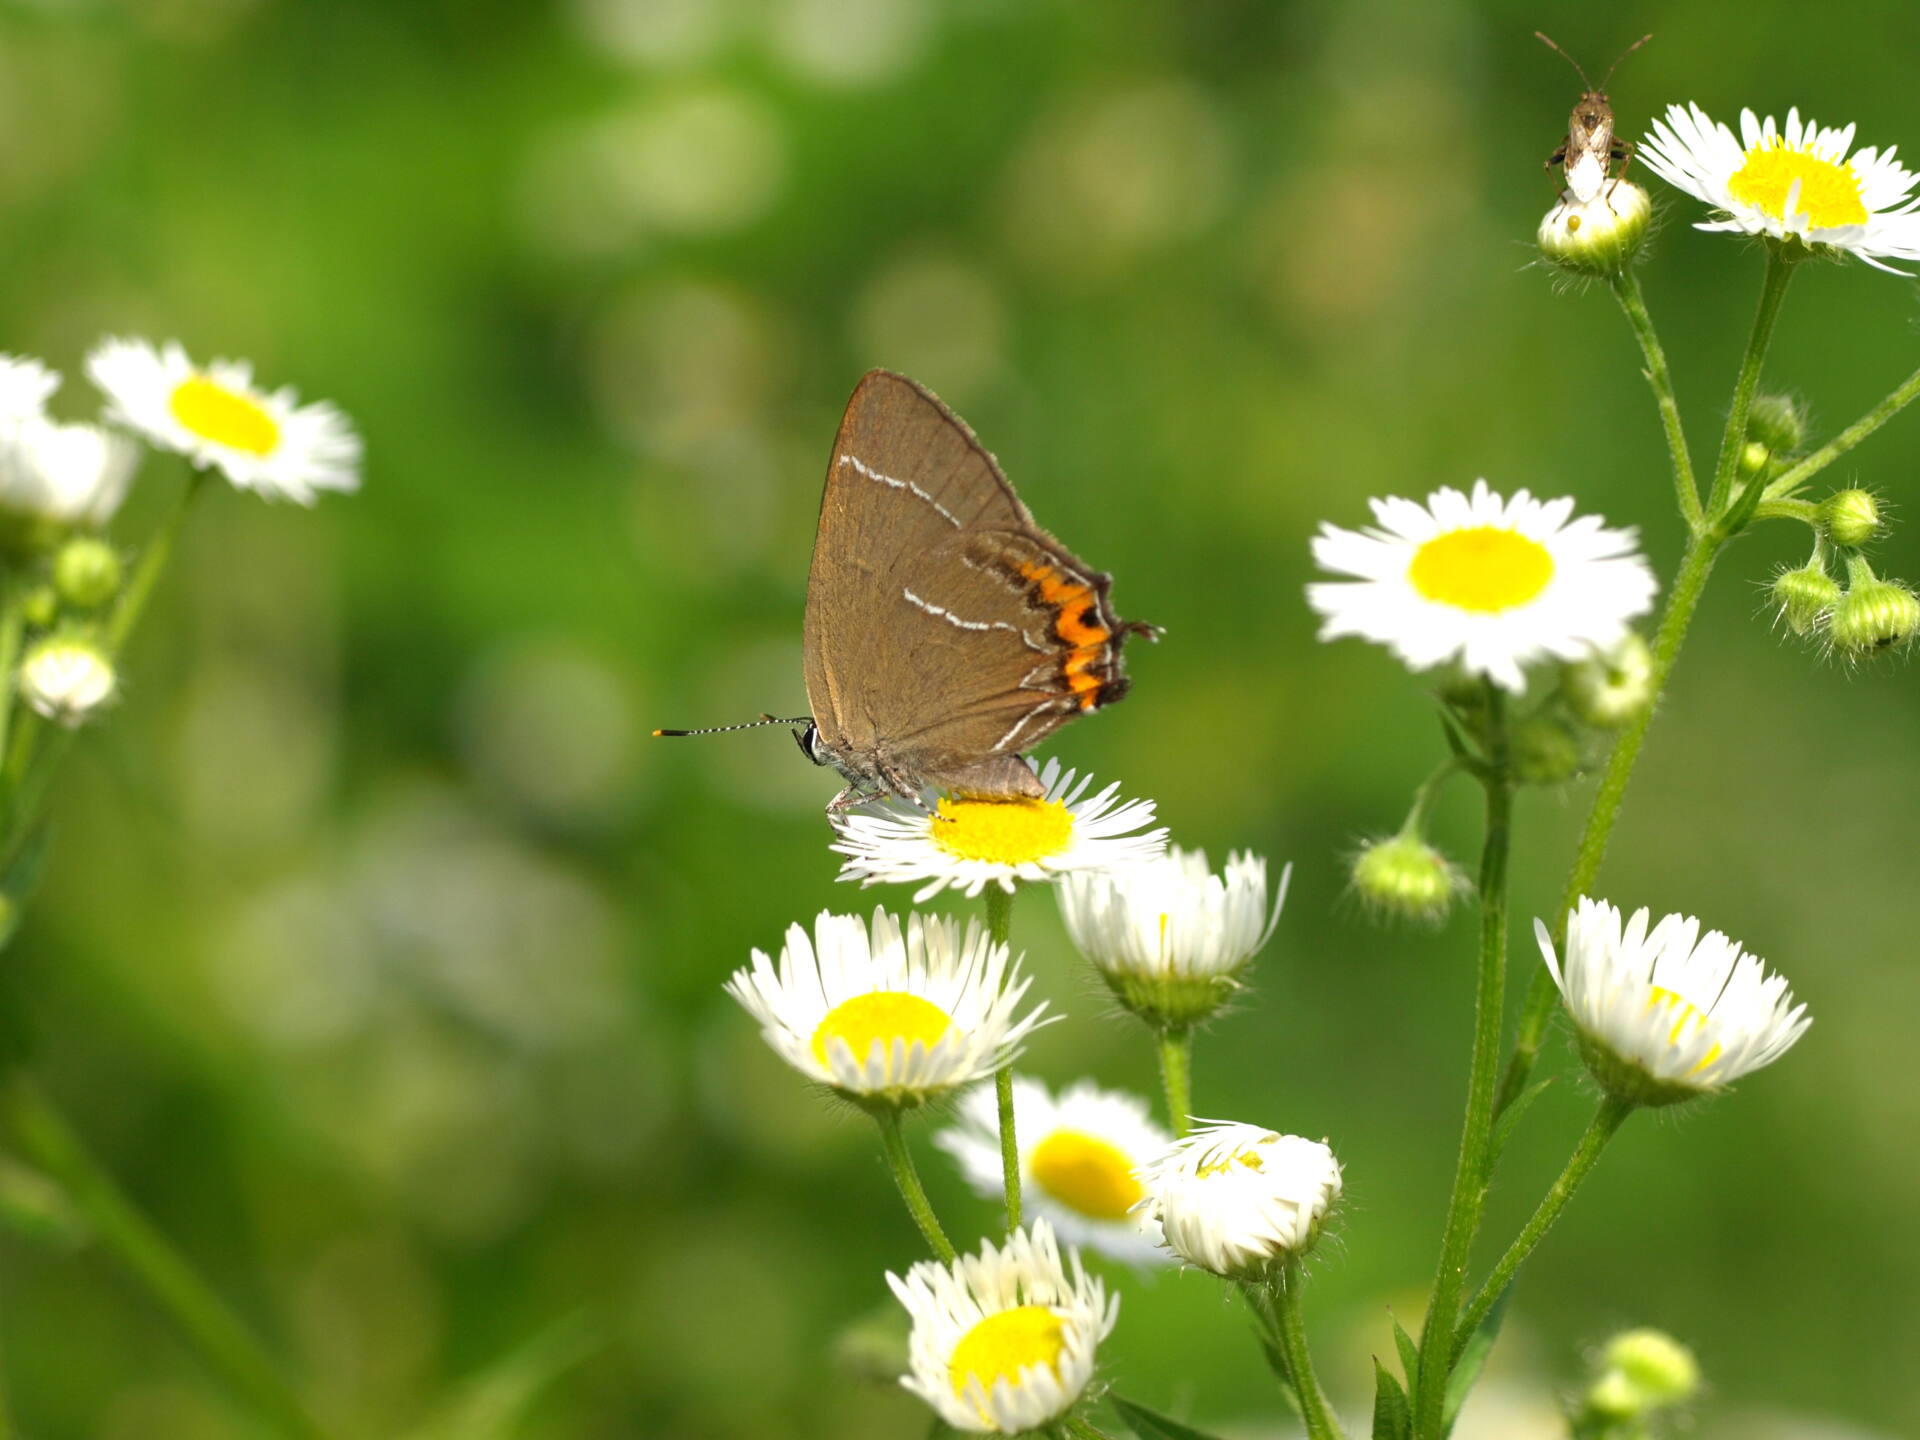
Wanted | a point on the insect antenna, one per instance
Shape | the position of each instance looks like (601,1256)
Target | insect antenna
(1547,41)
(1623,55)
(743,725)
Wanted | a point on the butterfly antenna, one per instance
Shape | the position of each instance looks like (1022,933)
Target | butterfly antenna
(1623,55)
(743,725)
(1547,41)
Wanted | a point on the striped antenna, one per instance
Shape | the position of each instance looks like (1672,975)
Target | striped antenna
(743,725)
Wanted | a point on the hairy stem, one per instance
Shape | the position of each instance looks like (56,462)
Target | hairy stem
(1606,1121)
(1805,469)
(1773,289)
(999,926)
(1626,289)
(900,1161)
(1469,1179)
(1176,1077)
(1290,1334)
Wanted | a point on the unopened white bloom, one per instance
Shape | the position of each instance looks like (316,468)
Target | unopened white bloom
(1493,584)
(64,474)
(969,842)
(892,1016)
(1004,1341)
(1239,1200)
(1171,936)
(1668,1013)
(217,416)
(1805,182)
(1078,1155)
(1597,234)
(66,679)
(25,387)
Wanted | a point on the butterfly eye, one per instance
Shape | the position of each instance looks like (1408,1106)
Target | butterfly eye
(809,742)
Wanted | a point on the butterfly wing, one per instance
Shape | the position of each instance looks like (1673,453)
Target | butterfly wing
(945,632)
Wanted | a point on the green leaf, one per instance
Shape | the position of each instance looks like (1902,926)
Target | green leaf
(1473,1357)
(1409,1358)
(495,1403)
(1150,1425)
(1509,1119)
(1392,1415)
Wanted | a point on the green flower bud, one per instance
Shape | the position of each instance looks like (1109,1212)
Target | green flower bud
(66,678)
(1805,597)
(1404,878)
(40,606)
(1656,1366)
(1873,615)
(1606,691)
(1778,423)
(86,572)
(1850,518)
(1600,237)
(1754,459)
(1545,751)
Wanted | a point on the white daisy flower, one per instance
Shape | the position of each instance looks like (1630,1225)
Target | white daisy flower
(25,387)
(64,474)
(1004,1341)
(1667,1013)
(1799,183)
(217,417)
(1238,1200)
(1170,937)
(1077,1157)
(893,1017)
(969,842)
(1491,583)
(66,679)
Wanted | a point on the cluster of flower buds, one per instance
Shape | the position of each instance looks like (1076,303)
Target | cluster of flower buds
(1638,1375)
(1867,614)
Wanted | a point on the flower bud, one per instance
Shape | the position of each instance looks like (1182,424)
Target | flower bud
(1240,1201)
(1606,691)
(1658,1368)
(86,572)
(1601,236)
(66,679)
(1404,878)
(1873,615)
(1544,750)
(1805,597)
(1850,518)
(1754,459)
(40,606)
(1777,422)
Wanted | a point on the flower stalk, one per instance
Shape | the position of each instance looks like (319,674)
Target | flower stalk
(999,927)
(1289,1328)
(1176,1077)
(907,1178)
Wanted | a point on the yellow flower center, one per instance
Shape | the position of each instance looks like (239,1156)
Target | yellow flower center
(1004,1344)
(1688,1021)
(1086,1174)
(883,1015)
(1486,569)
(1006,831)
(226,417)
(1223,1164)
(1829,193)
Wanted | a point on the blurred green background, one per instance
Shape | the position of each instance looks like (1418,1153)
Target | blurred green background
(381,953)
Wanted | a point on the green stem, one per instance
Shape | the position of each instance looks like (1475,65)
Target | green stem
(1903,395)
(43,1137)
(1805,511)
(900,1161)
(1606,1121)
(1626,289)
(1176,1078)
(1290,1333)
(153,560)
(1688,585)
(1423,798)
(1469,1179)
(999,927)
(1773,289)
(13,624)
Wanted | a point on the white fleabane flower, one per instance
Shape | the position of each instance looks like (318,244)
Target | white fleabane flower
(1805,182)
(1004,1341)
(218,417)
(1170,937)
(66,679)
(1241,1201)
(25,387)
(969,842)
(1667,1013)
(893,1016)
(64,474)
(1494,584)
(1078,1154)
